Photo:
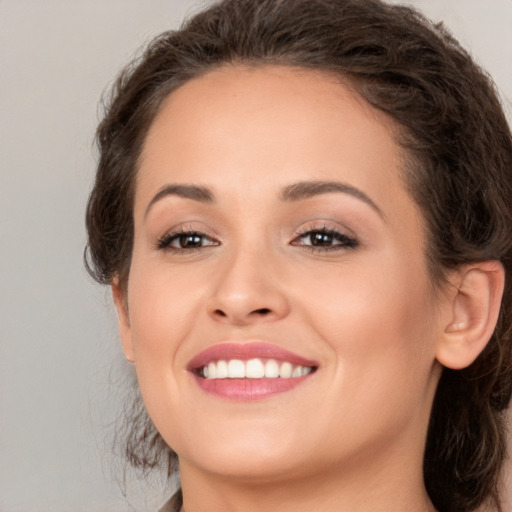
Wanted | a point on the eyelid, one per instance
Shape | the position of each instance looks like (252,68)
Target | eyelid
(164,242)
(324,225)
(348,241)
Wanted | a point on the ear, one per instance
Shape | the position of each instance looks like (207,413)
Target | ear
(123,318)
(472,315)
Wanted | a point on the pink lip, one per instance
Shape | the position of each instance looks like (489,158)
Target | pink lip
(247,389)
(246,351)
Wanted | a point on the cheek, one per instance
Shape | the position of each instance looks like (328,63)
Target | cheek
(163,309)
(377,322)
(377,315)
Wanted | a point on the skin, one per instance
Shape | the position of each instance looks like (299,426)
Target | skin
(351,437)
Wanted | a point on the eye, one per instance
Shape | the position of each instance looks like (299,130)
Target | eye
(185,241)
(324,239)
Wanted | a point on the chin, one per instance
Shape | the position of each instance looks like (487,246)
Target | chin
(250,454)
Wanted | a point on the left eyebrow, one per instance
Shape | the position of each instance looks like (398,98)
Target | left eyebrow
(308,189)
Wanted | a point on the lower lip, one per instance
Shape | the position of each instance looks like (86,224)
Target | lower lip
(248,389)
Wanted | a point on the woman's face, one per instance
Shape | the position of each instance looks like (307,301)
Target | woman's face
(272,225)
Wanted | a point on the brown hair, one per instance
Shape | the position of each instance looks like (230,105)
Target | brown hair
(459,173)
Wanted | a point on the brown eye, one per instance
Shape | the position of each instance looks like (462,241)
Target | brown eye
(322,239)
(185,241)
(325,239)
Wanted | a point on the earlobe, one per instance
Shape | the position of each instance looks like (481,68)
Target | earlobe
(125,332)
(474,310)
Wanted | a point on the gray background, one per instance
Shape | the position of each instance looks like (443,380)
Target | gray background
(62,375)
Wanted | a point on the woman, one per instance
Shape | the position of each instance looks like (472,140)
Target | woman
(304,209)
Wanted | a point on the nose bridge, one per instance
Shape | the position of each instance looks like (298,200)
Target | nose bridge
(247,288)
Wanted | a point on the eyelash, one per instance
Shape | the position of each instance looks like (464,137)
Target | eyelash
(164,243)
(344,242)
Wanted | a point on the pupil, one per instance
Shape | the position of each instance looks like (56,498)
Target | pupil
(322,239)
(190,240)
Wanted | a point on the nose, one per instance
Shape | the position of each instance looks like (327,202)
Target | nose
(247,290)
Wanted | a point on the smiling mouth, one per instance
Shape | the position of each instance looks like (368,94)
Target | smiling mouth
(256,368)
(249,371)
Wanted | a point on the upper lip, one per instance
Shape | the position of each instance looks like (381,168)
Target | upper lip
(245,351)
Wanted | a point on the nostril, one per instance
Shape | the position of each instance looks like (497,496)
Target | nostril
(242,316)
(262,311)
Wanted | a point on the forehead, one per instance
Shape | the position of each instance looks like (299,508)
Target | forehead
(247,128)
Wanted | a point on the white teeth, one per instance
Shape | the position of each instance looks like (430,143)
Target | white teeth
(222,370)
(236,369)
(297,371)
(306,370)
(285,372)
(253,369)
(212,371)
(271,369)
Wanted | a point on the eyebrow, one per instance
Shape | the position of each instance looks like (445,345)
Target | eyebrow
(308,189)
(194,192)
(295,192)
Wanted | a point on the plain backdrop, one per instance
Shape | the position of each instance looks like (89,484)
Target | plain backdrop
(62,374)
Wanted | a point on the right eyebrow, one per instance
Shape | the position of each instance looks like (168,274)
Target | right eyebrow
(194,192)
